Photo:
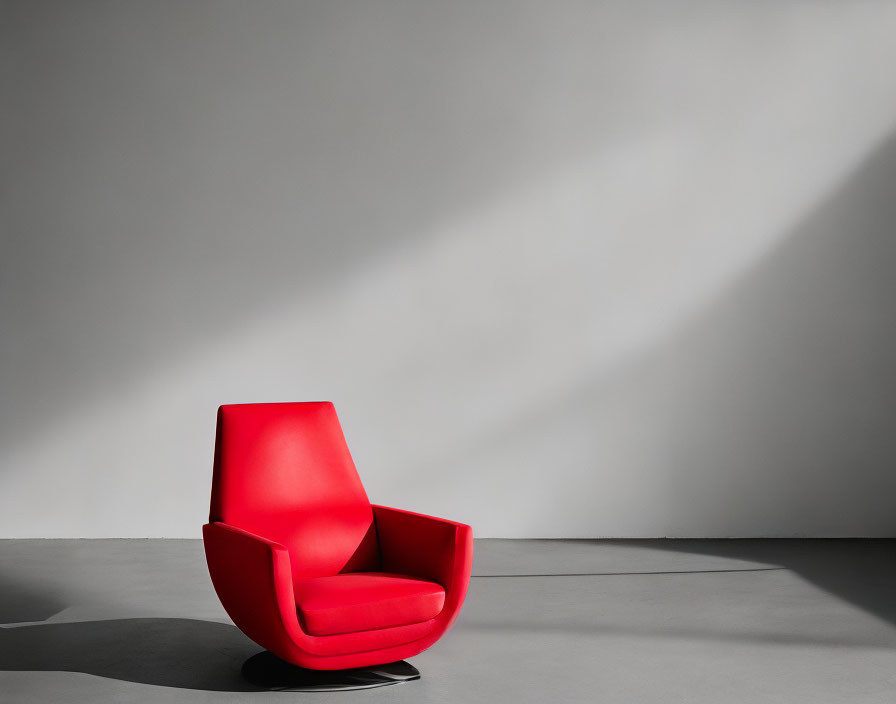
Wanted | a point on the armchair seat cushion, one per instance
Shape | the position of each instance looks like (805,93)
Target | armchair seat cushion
(364,601)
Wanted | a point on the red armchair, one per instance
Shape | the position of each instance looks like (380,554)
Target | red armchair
(302,562)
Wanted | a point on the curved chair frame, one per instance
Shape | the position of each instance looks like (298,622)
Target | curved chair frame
(253,577)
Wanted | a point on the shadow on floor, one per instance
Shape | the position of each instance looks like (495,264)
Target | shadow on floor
(170,652)
(704,601)
(526,627)
(860,571)
(21,602)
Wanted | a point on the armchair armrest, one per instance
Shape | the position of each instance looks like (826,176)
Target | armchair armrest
(253,580)
(425,547)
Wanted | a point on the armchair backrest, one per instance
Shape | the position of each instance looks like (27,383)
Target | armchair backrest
(283,471)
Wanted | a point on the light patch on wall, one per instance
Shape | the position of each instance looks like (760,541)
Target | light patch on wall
(449,353)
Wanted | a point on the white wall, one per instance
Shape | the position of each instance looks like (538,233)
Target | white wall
(565,269)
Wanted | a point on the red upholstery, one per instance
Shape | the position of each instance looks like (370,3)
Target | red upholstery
(363,601)
(302,562)
(283,471)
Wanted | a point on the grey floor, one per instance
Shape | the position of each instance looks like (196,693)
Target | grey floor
(561,620)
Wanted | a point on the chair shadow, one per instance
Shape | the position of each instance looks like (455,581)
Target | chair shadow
(169,652)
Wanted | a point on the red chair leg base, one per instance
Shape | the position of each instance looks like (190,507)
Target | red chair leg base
(267,671)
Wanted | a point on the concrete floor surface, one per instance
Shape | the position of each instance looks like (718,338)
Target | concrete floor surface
(545,621)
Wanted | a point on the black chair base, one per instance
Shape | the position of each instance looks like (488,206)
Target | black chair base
(267,671)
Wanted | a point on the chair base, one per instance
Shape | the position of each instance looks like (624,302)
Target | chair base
(268,671)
